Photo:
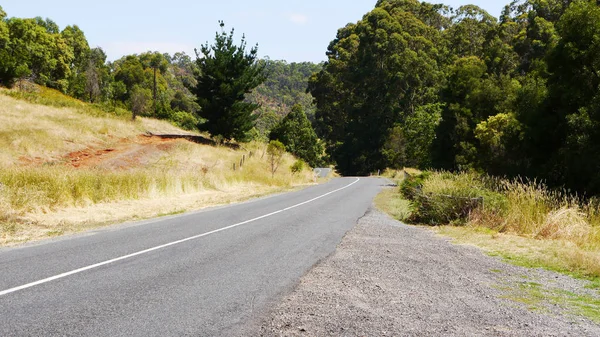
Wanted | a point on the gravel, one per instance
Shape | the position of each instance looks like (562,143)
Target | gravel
(389,279)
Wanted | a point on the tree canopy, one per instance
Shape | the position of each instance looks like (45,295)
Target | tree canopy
(416,84)
(297,134)
(226,74)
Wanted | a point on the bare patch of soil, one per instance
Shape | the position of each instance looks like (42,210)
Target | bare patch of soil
(123,154)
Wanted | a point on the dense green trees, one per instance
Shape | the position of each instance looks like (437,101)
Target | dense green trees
(297,134)
(284,87)
(36,50)
(174,87)
(379,72)
(226,74)
(425,85)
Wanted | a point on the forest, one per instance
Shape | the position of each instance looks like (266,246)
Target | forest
(424,85)
(411,84)
(152,84)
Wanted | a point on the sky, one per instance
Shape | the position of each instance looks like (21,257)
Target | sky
(291,30)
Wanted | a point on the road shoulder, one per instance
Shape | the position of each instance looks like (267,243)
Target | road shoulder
(386,278)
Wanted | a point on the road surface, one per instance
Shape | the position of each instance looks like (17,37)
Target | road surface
(204,273)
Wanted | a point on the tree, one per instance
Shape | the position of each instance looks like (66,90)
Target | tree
(275,151)
(298,136)
(284,87)
(79,83)
(6,61)
(379,71)
(574,97)
(140,101)
(226,74)
(92,84)
(36,50)
(157,63)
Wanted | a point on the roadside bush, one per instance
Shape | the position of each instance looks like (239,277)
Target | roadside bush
(297,167)
(440,198)
(413,184)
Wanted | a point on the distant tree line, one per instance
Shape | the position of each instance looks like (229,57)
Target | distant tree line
(149,84)
(424,85)
(159,85)
(284,87)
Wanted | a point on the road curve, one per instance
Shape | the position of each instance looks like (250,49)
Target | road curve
(203,273)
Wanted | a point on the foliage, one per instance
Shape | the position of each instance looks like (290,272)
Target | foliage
(226,74)
(140,101)
(37,50)
(297,167)
(443,198)
(379,71)
(414,84)
(284,87)
(298,136)
(551,228)
(275,152)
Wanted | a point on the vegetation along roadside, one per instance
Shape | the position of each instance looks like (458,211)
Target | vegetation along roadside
(523,222)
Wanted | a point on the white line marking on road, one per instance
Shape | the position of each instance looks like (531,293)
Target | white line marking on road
(76,271)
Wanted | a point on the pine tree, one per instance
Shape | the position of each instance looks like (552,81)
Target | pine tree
(227,74)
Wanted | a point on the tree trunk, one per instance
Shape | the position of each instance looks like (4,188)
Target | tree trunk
(154,94)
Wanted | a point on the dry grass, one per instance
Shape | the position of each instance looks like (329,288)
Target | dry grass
(50,198)
(524,221)
(558,255)
(38,131)
(391,202)
(399,175)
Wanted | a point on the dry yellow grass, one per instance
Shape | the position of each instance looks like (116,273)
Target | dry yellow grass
(559,255)
(46,132)
(40,200)
(523,221)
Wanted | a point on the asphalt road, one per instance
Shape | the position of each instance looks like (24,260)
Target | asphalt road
(204,273)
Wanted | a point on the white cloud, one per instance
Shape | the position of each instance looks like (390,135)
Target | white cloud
(298,18)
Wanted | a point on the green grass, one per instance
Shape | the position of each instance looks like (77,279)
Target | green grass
(539,298)
(51,97)
(390,202)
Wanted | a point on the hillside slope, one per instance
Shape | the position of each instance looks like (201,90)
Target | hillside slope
(68,169)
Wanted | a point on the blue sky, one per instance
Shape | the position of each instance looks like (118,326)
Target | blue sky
(292,30)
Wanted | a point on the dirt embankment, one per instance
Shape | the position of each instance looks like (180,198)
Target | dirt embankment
(121,154)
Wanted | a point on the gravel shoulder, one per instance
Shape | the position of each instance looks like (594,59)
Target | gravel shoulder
(389,279)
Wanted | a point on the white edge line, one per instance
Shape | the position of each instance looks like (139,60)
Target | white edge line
(100,264)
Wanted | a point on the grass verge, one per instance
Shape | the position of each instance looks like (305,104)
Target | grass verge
(42,195)
(524,223)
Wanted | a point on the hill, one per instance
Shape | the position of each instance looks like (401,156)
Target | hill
(68,166)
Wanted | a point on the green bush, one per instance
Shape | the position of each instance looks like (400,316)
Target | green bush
(412,185)
(297,167)
(441,198)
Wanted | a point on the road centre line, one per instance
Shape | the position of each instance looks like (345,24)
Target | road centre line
(93,266)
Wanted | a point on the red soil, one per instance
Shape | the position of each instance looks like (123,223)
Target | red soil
(126,153)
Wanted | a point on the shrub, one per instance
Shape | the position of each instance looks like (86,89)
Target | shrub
(297,167)
(275,151)
(440,198)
